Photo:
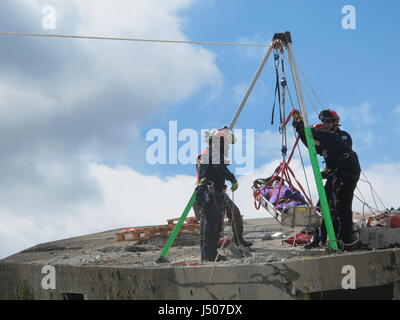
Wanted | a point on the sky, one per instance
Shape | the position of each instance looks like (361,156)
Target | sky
(75,113)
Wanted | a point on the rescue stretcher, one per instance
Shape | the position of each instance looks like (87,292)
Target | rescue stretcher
(294,216)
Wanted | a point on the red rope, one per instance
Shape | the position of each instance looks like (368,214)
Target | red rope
(301,187)
(256,195)
(284,171)
(287,120)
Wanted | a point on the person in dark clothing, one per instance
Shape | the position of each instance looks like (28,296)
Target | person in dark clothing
(342,171)
(212,201)
(332,121)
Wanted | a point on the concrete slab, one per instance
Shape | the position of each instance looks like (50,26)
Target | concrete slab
(380,238)
(97,267)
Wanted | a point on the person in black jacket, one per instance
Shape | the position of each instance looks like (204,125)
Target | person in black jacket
(212,202)
(331,119)
(342,172)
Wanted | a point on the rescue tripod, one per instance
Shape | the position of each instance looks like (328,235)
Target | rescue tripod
(281,41)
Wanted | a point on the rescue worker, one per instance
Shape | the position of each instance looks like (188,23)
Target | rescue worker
(212,202)
(332,121)
(343,170)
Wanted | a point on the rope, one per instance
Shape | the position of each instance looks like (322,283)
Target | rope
(310,100)
(23,34)
(372,193)
(298,145)
(304,168)
(372,189)
(311,87)
(364,202)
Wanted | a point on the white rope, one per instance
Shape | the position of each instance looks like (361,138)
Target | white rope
(372,189)
(364,202)
(23,34)
(311,87)
(310,100)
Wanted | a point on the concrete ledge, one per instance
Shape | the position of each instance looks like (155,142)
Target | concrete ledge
(308,278)
(380,238)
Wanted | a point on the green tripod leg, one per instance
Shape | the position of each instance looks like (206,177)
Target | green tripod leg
(321,190)
(174,233)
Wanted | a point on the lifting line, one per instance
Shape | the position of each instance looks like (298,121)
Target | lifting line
(50,35)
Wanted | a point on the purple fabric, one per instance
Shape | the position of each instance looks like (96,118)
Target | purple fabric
(292,198)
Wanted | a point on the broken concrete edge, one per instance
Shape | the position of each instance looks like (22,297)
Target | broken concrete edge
(289,280)
(380,237)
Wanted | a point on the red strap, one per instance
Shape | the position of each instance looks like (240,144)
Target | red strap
(256,195)
(301,187)
(294,148)
(287,120)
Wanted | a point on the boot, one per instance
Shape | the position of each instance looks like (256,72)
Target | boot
(245,243)
(314,243)
(239,240)
(216,258)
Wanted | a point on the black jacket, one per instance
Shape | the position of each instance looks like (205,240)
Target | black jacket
(338,155)
(345,137)
(217,173)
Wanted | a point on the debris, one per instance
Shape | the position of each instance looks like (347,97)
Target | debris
(141,248)
(239,251)
(275,235)
(298,239)
(146,233)
(179,263)
(223,242)
(110,249)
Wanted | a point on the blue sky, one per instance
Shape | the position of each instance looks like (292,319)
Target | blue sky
(75,113)
(348,68)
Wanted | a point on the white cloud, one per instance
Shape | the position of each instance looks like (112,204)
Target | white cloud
(69,103)
(361,115)
(397,110)
(129,198)
(268,143)
(254,52)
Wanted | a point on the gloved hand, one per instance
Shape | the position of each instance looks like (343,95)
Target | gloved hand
(325,173)
(296,117)
(296,114)
(234,186)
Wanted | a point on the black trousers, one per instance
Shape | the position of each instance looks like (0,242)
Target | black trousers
(211,220)
(342,197)
(232,212)
(339,192)
(329,192)
(235,219)
(210,225)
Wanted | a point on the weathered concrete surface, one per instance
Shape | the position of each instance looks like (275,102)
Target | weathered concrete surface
(380,237)
(300,279)
(102,249)
(98,267)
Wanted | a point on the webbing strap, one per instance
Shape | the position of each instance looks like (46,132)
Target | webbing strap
(277,91)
